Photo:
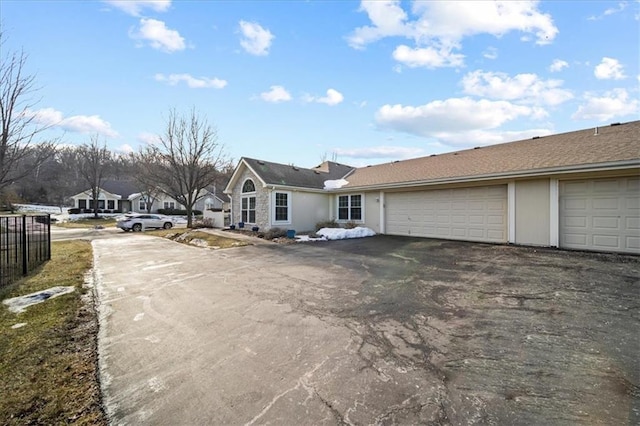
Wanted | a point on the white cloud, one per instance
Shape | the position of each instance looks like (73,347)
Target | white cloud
(135,7)
(452,115)
(528,88)
(610,11)
(125,148)
(256,40)
(333,98)
(490,53)
(78,123)
(276,94)
(486,137)
(381,152)
(439,27)
(609,69)
(558,65)
(428,57)
(158,36)
(148,138)
(192,82)
(615,103)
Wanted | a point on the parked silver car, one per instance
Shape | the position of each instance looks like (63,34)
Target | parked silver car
(141,222)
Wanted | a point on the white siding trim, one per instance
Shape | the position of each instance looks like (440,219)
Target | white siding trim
(554,213)
(511,211)
(381,207)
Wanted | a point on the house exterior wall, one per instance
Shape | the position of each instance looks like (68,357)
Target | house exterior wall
(262,201)
(158,203)
(532,216)
(372,211)
(103,196)
(308,209)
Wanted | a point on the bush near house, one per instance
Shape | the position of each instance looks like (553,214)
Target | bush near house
(327,224)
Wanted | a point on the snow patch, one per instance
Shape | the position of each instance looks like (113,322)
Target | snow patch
(335,184)
(19,304)
(343,234)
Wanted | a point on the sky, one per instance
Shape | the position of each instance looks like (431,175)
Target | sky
(299,82)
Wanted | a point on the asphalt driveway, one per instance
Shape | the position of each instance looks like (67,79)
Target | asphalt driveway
(379,330)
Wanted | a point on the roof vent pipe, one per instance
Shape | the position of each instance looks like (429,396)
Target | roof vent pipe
(595,132)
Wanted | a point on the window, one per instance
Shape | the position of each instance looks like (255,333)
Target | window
(248,210)
(143,205)
(82,204)
(350,207)
(169,205)
(281,206)
(248,186)
(111,204)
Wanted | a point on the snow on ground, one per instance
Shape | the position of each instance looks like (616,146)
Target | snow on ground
(338,234)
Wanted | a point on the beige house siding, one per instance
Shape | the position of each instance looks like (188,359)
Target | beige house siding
(372,211)
(532,215)
(307,210)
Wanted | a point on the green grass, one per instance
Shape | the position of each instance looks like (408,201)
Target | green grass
(88,223)
(48,368)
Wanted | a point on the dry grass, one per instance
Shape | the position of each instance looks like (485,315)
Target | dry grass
(48,368)
(187,236)
(88,223)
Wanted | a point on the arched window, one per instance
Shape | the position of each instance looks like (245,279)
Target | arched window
(248,186)
(248,202)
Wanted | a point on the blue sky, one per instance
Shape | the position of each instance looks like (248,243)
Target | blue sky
(296,82)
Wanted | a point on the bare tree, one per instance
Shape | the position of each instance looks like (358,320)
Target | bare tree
(19,127)
(93,162)
(187,159)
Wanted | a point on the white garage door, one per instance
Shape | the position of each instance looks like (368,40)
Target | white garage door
(600,214)
(473,214)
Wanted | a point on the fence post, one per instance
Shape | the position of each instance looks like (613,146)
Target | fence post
(25,249)
(49,236)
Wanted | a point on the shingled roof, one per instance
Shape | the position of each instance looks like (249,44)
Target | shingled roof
(616,143)
(298,177)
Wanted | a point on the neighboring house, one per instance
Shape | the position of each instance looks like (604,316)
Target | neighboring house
(122,196)
(113,197)
(212,200)
(576,190)
(139,202)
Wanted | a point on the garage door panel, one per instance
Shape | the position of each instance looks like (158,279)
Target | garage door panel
(606,203)
(606,186)
(633,243)
(610,241)
(632,223)
(600,214)
(477,214)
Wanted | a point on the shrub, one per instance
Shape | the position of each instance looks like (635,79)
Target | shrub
(73,211)
(350,225)
(274,233)
(327,224)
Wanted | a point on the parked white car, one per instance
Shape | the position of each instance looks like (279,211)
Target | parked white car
(140,222)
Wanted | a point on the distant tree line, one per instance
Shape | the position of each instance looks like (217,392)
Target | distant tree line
(187,158)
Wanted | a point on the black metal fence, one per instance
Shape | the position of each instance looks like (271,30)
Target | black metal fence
(25,244)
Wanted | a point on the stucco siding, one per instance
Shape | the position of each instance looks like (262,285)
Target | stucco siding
(532,217)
